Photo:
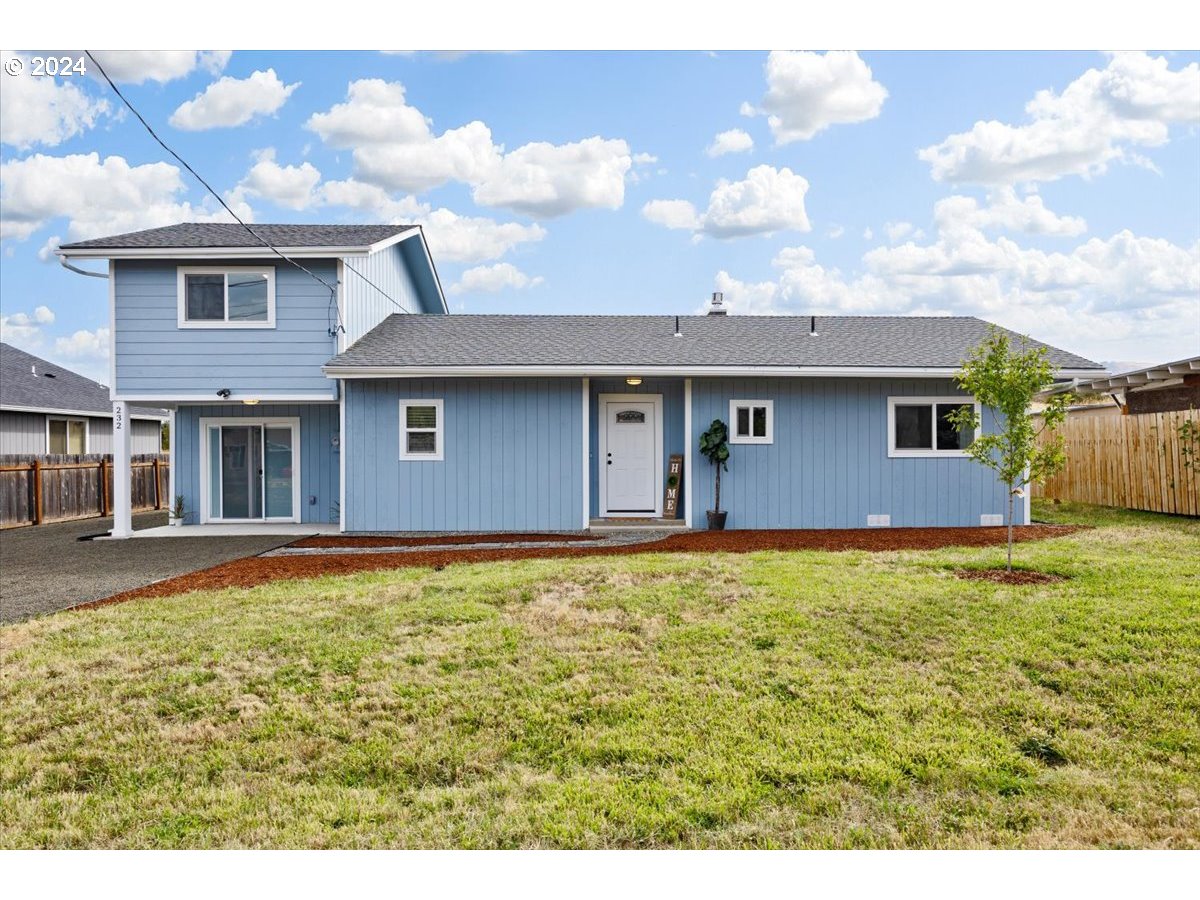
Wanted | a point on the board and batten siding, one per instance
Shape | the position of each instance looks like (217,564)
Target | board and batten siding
(25,433)
(154,357)
(673,418)
(364,307)
(319,460)
(513,456)
(828,466)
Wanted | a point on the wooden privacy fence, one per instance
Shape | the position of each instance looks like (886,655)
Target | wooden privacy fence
(1137,462)
(57,487)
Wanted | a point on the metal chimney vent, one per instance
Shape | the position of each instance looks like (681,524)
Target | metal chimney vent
(717,308)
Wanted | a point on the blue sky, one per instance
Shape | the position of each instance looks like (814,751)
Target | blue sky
(587,182)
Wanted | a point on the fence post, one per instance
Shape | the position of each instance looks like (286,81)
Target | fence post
(104,487)
(37,492)
(157,489)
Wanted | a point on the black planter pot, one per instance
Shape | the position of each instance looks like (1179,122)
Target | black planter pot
(716,520)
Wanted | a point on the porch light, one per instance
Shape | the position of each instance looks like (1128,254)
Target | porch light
(250,402)
(633,382)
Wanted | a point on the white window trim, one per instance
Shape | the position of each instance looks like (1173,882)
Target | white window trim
(439,431)
(293,422)
(734,438)
(87,432)
(933,452)
(181,290)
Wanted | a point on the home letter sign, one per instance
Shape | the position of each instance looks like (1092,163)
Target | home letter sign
(674,485)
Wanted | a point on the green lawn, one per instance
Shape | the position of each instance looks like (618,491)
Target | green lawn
(767,700)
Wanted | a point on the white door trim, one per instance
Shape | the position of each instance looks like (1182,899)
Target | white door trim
(293,422)
(602,453)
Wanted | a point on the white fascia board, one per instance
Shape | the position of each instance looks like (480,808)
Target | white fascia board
(213,252)
(394,239)
(86,413)
(213,399)
(646,371)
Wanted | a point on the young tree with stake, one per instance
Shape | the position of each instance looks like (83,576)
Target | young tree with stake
(1006,379)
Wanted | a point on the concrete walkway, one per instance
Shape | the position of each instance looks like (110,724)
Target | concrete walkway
(47,568)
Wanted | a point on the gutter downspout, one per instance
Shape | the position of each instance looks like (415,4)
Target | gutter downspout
(62,261)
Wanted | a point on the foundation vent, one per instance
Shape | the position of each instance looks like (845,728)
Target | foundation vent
(879,521)
(991,519)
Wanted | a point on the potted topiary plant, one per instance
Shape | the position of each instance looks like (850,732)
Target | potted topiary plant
(714,445)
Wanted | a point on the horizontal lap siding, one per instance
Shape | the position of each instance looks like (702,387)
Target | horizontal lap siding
(828,465)
(513,457)
(319,461)
(155,357)
(673,419)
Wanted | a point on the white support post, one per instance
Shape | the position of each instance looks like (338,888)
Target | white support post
(688,451)
(586,384)
(122,458)
(172,466)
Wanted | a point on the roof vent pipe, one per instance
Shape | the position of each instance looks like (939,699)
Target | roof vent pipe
(678,333)
(718,304)
(812,326)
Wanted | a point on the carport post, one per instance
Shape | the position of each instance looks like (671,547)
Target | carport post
(122,458)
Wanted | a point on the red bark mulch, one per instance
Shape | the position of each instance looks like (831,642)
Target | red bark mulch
(255,570)
(1003,576)
(331,540)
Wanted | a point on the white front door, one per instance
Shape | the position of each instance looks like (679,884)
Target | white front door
(630,455)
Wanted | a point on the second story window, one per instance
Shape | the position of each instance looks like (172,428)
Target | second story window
(226,297)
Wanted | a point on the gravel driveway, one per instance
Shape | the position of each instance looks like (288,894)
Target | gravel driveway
(46,568)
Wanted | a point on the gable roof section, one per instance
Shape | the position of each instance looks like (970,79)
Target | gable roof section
(460,344)
(230,238)
(25,384)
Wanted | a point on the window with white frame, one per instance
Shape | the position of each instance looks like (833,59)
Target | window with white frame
(226,297)
(751,421)
(66,435)
(421,429)
(921,426)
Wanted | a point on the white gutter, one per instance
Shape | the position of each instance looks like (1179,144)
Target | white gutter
(185,253)
(534,371)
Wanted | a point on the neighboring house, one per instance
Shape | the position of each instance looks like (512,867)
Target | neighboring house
(354,399)
(45,408)
(1162,388)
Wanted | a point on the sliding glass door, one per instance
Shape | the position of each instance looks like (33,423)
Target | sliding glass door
(251,470)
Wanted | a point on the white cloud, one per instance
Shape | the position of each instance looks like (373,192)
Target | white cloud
(808,92)
(287,186)
(45,111)
(1005,211)
(836,231)
(672,214)
(98,197)
(868,234)
(451,237)
(897,230)
(546,180)
(229,102)
(25,328)
(1095,121)
(84,345)
(490,279)
(138,66)
(767,200)
(1102,298)
(395,147)
(732,141)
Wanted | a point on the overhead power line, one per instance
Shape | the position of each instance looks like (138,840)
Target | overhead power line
(265,243)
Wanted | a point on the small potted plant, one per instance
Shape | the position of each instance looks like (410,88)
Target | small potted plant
(714,445)
(178,512)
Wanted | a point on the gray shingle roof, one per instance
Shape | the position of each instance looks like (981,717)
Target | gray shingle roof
(645,341)
(25,381)
(195,235)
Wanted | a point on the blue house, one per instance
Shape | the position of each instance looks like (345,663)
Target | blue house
(327,384)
